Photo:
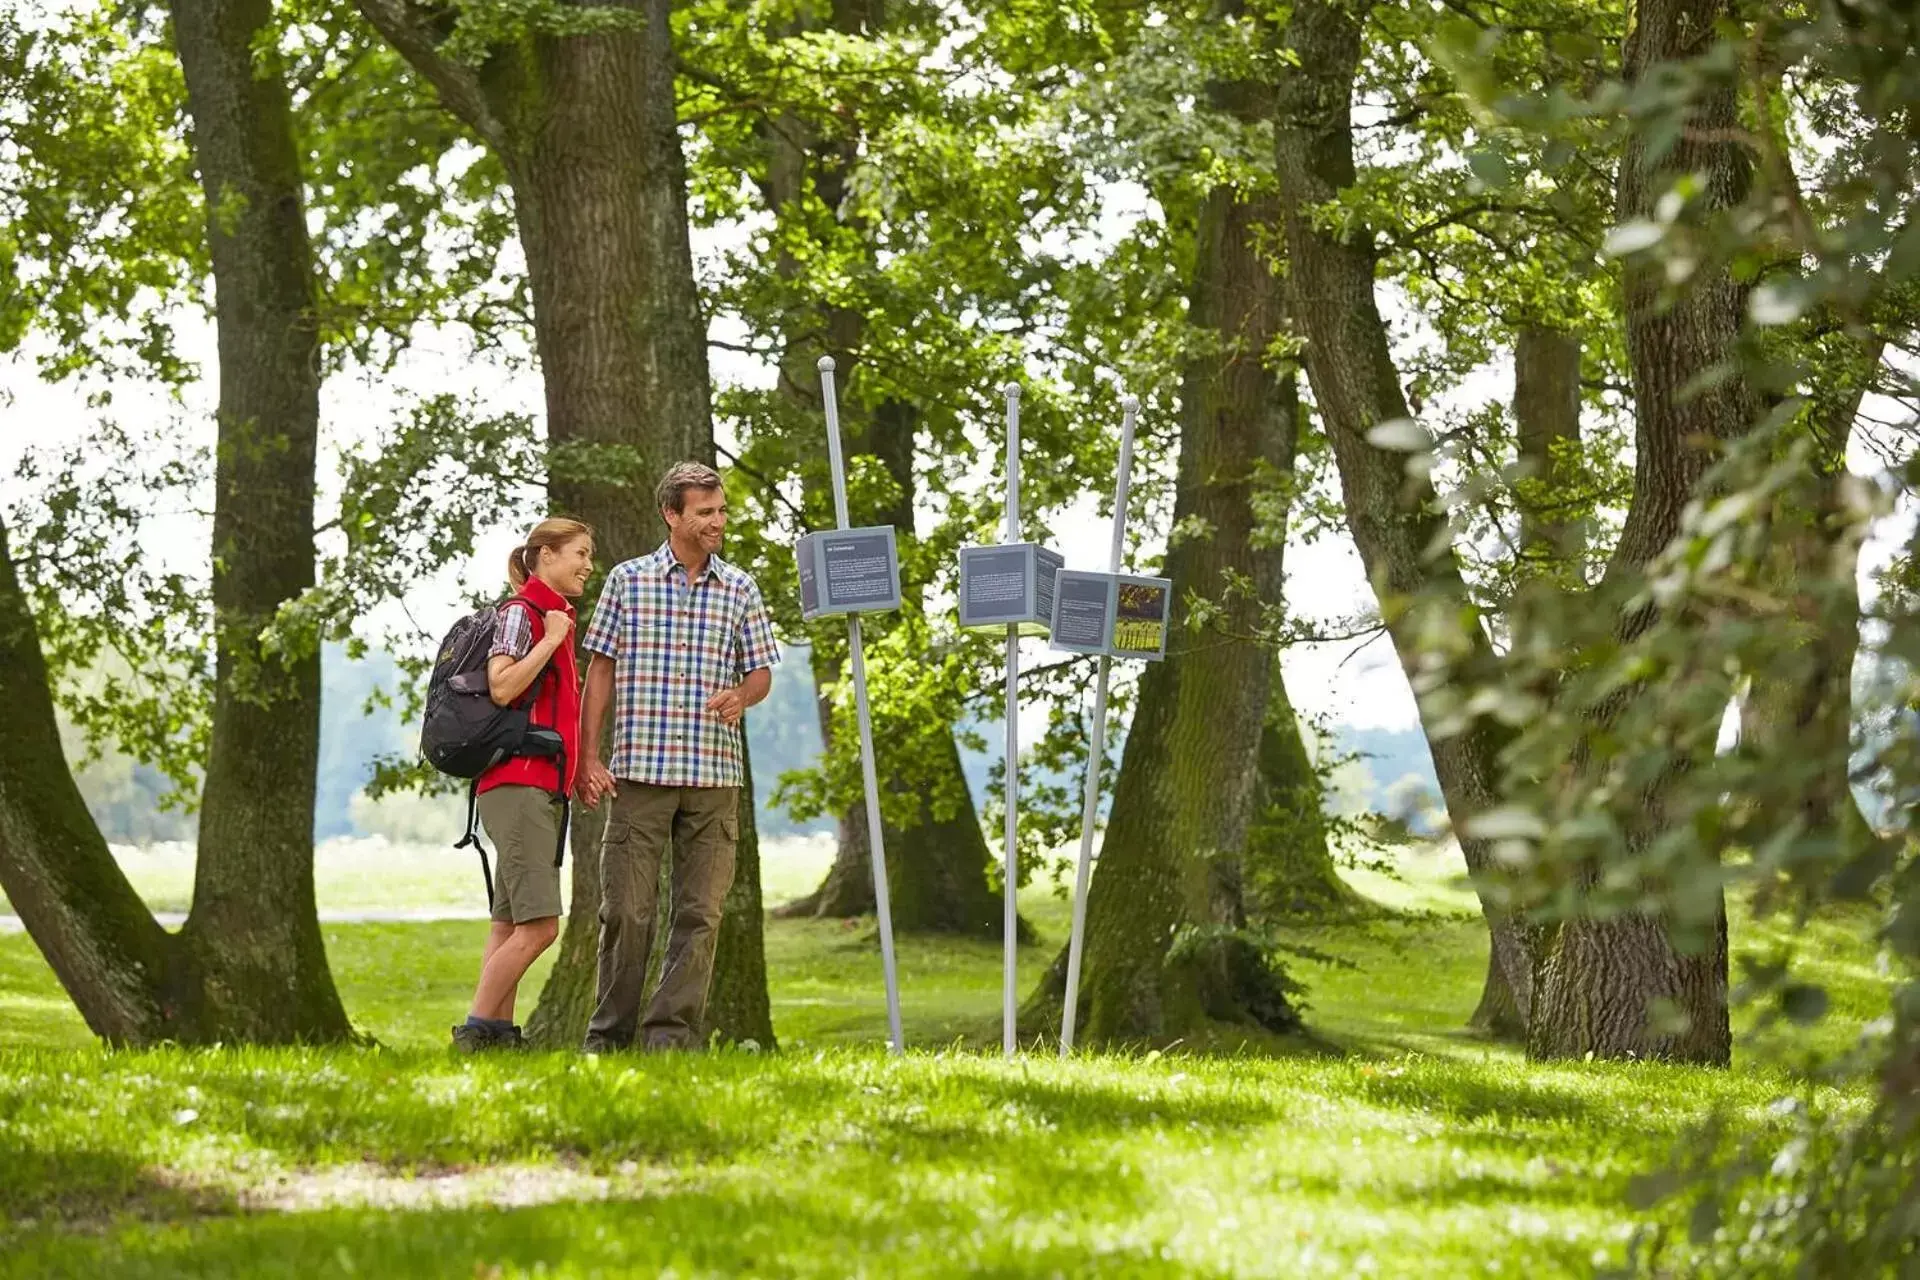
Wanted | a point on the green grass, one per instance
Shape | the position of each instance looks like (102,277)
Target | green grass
(1410,1149)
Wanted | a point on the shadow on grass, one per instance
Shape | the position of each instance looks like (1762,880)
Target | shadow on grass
(731,1230)
(82,1189)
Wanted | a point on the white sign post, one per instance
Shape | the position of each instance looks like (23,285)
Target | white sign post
(875,840)
(1011,921)
(1097,743)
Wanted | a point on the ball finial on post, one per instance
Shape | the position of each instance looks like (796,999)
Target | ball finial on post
(824,364)
(1130,404)
(1011,390)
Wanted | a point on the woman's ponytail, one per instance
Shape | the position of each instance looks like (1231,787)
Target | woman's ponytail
(523,560)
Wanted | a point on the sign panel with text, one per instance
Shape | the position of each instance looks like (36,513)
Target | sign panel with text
(848,571)
(1121,615)
(1011,584)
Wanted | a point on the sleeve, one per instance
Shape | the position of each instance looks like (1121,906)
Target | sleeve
(755,636)
(603,632)
(512,634)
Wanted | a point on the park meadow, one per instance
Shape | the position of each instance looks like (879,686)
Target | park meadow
(1194,637)
(1384,1141)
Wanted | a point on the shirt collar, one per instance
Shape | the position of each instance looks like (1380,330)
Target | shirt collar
(668,562)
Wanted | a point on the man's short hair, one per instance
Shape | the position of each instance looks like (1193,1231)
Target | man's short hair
(671,493)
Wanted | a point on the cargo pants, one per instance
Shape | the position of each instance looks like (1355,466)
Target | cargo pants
(704,826)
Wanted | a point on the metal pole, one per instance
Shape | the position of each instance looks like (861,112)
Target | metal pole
(876,843)
(1010,870)
(1096,749)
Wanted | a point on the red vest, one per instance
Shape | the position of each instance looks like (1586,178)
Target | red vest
(556,700)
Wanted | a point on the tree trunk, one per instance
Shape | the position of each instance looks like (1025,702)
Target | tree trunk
(738,1007)
(847,890)
(1161,959)
(1289,865)
(249,964)
(1803,709)
(1393,517)
(585,126)
(1602,978)
(937,867)
(123,972)
(1546,410)
(254,926)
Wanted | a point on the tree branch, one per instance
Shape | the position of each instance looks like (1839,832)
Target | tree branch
(772,489)
(404,26)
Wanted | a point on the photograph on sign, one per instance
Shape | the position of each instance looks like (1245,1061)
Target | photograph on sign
(1140,618)
(1082,611)
(860,570)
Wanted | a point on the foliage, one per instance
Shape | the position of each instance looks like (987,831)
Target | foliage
(1629,682)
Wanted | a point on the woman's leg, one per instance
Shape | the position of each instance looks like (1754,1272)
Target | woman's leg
(497,936)
(507,963)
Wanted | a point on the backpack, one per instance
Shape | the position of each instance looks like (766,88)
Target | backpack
(465,733)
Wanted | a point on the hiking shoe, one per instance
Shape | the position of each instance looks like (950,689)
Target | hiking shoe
(468,1038)
(597,1045)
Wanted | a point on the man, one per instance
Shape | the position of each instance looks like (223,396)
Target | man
(681,643)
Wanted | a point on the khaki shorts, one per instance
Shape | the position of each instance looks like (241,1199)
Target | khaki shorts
(524,825)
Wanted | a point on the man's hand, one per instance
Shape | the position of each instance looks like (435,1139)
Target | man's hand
(595,781)
(728,705)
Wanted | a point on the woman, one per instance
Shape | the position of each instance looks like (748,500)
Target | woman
(520,799)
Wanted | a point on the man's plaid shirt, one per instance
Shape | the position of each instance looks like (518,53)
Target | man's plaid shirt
(674,645)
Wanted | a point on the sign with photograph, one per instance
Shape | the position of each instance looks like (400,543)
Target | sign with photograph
(1118,614)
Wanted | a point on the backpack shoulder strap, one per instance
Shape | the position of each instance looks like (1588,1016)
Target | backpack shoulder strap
(547,672)
(532,610)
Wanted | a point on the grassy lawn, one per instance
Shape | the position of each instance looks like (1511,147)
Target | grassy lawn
(1394,1145)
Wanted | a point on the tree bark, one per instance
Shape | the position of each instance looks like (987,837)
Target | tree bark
(124,973)
(1394,519)
(586,128)
(1290,870)
(1601,978)
(1167,892)
(1546,410)
(249,965)
(1803,709)
(254,926)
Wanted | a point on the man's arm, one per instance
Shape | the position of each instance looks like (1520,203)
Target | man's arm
(593,704)
(595,779)
(730,704)
(757,653)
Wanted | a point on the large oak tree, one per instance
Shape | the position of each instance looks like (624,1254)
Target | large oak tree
(578,106)
(249,964)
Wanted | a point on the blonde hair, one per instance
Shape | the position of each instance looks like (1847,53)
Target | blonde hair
(556,532)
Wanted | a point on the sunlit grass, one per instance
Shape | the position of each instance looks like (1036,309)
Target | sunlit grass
(1399,1145)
